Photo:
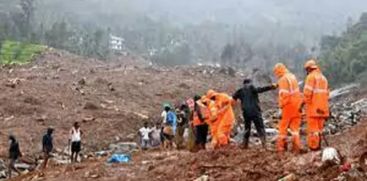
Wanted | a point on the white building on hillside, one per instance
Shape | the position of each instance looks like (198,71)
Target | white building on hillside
(117,43)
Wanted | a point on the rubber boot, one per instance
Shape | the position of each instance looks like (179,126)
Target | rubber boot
(245,143)
(263,141)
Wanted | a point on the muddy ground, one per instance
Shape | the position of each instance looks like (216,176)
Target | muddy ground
(229,163)
(112,100)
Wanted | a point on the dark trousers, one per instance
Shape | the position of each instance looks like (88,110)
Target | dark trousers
(201,134)
(259,125)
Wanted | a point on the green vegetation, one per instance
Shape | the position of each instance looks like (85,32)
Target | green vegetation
(344,58)
(19,53)
(24,21)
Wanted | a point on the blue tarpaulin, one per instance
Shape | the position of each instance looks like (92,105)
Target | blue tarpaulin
(119,158)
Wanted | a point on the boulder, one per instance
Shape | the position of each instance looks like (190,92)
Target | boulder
(124,147)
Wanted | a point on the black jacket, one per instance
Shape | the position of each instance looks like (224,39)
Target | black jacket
(14,151)
(249,97)
(47,144)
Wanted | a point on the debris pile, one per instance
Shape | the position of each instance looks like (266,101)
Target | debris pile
(345,115)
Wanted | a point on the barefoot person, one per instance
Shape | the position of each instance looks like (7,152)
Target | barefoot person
(75,139)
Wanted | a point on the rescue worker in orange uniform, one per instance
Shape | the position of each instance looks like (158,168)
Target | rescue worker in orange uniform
(290,100)
(224,118)
(211,114)
(316,99)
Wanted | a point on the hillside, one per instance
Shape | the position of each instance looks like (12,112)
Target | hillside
(58,89)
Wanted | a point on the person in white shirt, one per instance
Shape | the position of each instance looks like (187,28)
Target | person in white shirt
(156,135)
(144,133)
(75,139)
(164,116)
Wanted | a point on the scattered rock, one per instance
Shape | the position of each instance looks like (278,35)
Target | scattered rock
(130,136)
(124,147)
(145,162)
(184,86)
(12,82)
(290,177)
(91,175)
(142,116)
(3,174)
(117,138)
(22,166)
(88,119)
(110,87)
(90,106)
(82,81)
(31,100)
(102,153)
(41,119)
(202,178)
(2,165)
(354,174)
(363,161)
(80,90)
(8,118)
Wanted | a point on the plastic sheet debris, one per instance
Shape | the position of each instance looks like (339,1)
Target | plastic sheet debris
(119,158)
(330,154)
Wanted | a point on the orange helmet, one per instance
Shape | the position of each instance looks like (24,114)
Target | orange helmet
(311,64)
(280,69)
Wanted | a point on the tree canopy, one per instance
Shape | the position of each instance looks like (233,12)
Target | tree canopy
(344,58)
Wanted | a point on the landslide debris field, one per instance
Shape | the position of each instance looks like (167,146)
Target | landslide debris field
(111,100)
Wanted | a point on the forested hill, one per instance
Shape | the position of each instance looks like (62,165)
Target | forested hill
(344,57)
(244,34)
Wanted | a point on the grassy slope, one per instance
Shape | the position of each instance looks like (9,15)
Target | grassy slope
(19,53)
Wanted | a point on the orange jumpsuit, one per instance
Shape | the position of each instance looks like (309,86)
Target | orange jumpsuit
(225,118)
(316,98)
(290,100)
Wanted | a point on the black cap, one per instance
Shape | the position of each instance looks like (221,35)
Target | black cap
(247,81)
(12,137)
(50,130)
(197,97)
